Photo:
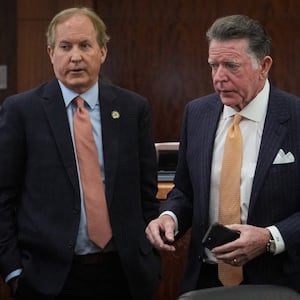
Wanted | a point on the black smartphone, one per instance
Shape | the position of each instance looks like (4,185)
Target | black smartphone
(218,234)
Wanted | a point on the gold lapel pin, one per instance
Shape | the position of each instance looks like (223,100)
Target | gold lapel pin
(115,114)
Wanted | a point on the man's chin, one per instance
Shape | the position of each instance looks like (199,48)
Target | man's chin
(77,85)
(230,101)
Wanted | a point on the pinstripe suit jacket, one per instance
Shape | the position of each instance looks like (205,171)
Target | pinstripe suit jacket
(275,196)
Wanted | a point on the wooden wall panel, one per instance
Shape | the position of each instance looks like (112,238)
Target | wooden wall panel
(282,20)
(8,42)
(34,65)
(158,48)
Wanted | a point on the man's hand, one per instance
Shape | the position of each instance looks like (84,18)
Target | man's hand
(13,284)
(251,243)
(160,232)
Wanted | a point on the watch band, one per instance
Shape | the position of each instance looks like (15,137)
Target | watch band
(271,246)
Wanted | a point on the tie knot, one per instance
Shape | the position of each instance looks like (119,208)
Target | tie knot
(79,102)
(237,118)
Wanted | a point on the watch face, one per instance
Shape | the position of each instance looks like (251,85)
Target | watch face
(271,246)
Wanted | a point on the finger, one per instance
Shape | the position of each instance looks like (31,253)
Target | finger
(169,235)
(163,243)
(156,235)
(153,233)
(235,262)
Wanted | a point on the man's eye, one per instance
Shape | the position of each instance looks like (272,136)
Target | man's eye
(64,47)
(213,66)
(85,46)
(232,66)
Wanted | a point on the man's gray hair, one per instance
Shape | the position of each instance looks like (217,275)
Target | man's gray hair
(241,27)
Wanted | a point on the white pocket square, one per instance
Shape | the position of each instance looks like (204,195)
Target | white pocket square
(282,158)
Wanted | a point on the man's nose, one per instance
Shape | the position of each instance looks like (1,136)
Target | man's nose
(76,54)
(220,73)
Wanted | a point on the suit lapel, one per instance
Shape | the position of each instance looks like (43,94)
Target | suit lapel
(205,130)
(111,116)
(55,110)
(210,126)
(274,132)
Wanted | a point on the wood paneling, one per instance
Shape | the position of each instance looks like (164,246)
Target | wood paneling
(34,65)
(4,291)
(173,263)
(8,42)
(157,48)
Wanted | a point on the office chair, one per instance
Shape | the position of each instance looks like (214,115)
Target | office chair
(242,292)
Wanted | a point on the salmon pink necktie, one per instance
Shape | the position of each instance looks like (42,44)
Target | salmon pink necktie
(99,229)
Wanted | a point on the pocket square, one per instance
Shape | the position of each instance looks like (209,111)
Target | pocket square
(282,158)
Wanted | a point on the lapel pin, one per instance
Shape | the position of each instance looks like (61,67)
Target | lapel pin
(115,114)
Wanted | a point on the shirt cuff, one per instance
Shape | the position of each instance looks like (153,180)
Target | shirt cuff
(279,242)
(173,216)
(13,274)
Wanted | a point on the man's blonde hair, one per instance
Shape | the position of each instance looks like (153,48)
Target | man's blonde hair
(63,15)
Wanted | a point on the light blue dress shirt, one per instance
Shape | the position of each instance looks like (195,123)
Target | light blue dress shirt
(83,244)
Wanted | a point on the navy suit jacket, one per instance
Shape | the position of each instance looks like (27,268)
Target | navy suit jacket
(275,195)
(39,188)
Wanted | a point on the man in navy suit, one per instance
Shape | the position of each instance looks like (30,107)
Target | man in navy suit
(45,252)
(268,249)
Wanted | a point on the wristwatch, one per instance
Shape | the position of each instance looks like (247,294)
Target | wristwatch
(271,247)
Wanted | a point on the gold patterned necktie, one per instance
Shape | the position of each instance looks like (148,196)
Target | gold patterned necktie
(99,229)
(229,203)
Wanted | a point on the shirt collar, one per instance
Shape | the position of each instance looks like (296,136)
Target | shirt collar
(256,109)
(90,96)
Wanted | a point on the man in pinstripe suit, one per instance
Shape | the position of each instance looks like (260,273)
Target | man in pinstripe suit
(269,245)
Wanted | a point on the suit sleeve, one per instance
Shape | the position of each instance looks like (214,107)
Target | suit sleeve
(12,158)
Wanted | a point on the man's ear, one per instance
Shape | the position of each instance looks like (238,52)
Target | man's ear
(103,52)
(50,52)
(266,64)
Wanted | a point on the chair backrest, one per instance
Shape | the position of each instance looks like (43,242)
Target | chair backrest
(243,292)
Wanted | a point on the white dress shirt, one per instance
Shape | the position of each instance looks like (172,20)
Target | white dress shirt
(251,127)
